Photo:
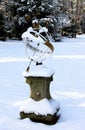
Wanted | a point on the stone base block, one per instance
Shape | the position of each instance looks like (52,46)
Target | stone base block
(46,119)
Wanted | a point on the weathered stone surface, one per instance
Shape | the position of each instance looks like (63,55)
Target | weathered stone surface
(46,119)
(39,87)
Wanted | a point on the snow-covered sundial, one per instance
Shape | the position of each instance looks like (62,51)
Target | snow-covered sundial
(38,48)
(37,43)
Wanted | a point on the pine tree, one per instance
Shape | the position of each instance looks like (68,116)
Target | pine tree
(2,31)
(35,9)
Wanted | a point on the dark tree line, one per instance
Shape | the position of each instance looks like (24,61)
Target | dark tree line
(59,16)
(2,30)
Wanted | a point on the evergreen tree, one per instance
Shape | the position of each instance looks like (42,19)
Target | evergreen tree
(2,31)
(35,9)
(15,28)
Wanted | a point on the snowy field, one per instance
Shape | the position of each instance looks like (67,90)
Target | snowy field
(68,86)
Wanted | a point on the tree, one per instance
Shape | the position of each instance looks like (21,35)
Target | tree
(59,13)
(56,15)
(2,31)
(35,9)
(75,13)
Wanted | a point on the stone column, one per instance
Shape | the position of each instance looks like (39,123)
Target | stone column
(39,87)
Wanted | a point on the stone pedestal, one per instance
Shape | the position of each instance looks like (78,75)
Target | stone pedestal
(40,107)
(39,87)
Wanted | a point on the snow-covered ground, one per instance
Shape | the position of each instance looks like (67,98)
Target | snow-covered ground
(68,86)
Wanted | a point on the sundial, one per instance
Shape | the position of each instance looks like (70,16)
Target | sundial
(37,44)
(38,48)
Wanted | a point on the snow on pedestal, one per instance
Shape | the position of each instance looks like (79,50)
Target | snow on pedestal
(40,107)
(39,71)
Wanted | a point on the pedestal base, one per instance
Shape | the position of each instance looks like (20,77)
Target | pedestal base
(40,107)
(48,119)
(44,111)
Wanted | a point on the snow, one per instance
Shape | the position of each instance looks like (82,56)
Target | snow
(39,71)
(37,107)
(27,35)
(68,86)
(35,44)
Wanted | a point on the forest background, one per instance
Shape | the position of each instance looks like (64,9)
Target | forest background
(61,17)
